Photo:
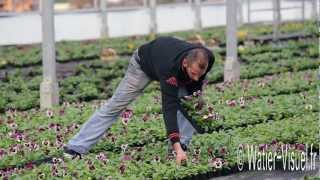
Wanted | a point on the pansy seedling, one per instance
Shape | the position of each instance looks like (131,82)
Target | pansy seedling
(197,151)
(2,153)
(92,167)
(41,175)
(145,117)
(127,114)
(124,147)
(263,147)
(231,103)
(300,147)
(223,151)
(125,121)
(242,104)
(308,107)
(195,160)
(49,113)
(216,163)
(13,125)
(122,168)
(156,159)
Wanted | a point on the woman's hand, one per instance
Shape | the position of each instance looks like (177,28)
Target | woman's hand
(181,155)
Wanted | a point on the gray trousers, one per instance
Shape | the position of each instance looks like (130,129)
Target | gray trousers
(131,86)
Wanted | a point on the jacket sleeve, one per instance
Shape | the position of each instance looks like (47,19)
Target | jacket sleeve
(194,87)
(170,105)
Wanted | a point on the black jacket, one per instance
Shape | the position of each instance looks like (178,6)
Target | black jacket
(161,59)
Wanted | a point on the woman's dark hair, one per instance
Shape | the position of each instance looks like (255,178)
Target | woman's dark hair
(198,54)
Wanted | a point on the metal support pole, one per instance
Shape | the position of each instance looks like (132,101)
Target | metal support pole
(249,11)
(95,4)
(153,17)
(232,65)
(314,13)
(14,6)
(104,19)
(303,10)
(40,6)
(240,13)
(276,19)
(145,3)
(197,13)
(318,11)
(49,90)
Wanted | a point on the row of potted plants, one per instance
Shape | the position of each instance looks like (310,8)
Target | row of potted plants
(209,154)
(215,117)
(294,50)
(20,56)
(282,53)
(283,83)
(302,44)
(99,83)
(255,70)
(245,111)
(147,124)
